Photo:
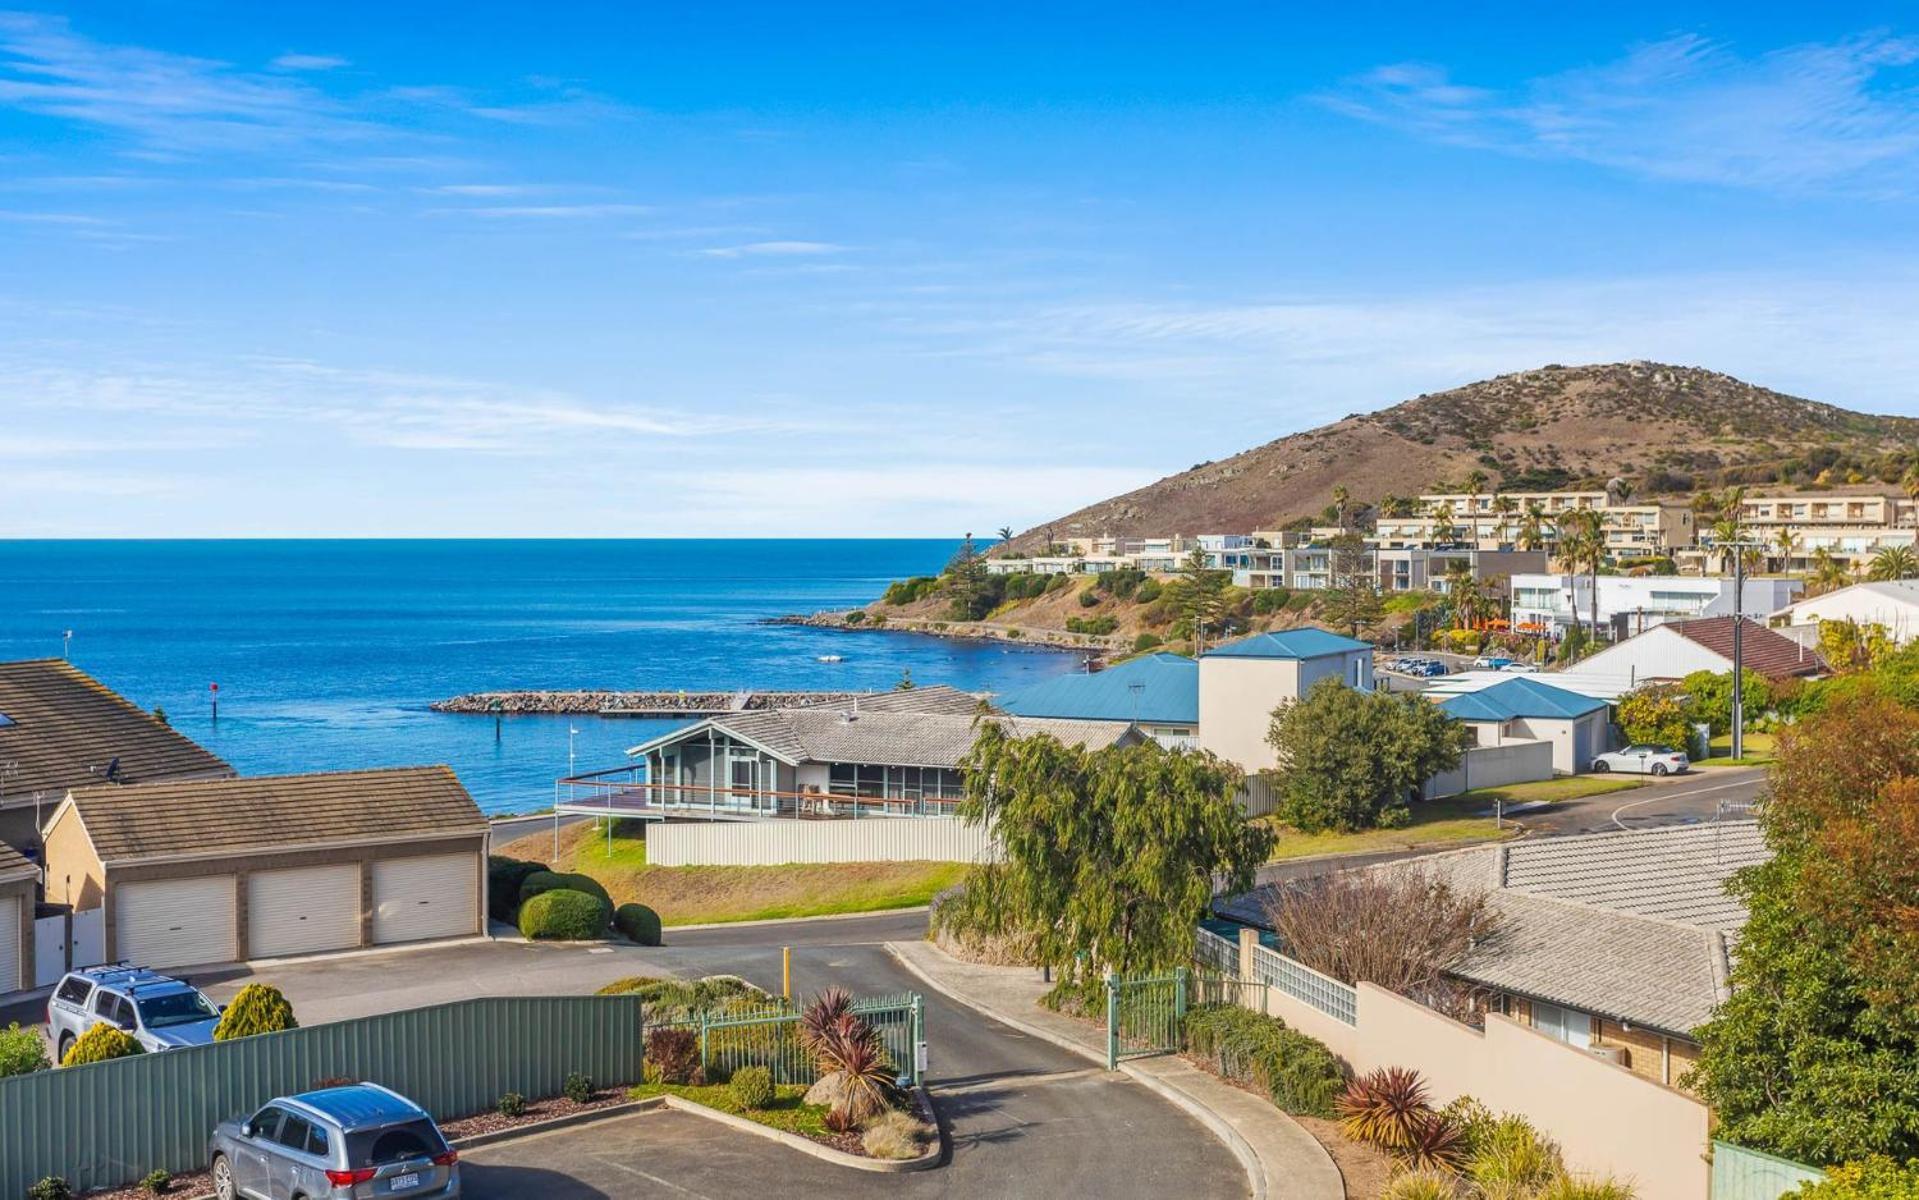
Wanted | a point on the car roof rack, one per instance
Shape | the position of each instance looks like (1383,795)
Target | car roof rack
(123,974)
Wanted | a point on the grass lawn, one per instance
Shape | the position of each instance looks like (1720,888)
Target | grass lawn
(1759,751)
(787,1111)
(1449,822)
(701,895)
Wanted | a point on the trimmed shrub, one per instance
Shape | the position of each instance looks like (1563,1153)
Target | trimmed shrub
(578,1088)
(51,1188)
(511,1105)
(543,881)
(1421,1185)
(1584,1187)
(259,1008)
(157,1183)
(1300,1074)
(102,1043)
(638,923)
(896,1135)
(1147,592)
(1512,1158)
(675,1053)
(752,1087)
(564,915)
(1384,1107)
(21,1051)
(504,876)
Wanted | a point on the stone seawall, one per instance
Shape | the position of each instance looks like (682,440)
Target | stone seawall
(634,704)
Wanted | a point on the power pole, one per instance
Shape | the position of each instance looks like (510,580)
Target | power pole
(1739,549)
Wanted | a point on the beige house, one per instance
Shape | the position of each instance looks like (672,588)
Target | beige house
(227,870)
(1242,682)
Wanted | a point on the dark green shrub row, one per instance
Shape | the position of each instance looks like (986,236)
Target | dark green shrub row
(551,881)
(1298,1072)
(563,915)
(504,877)
(905,591)
(1098,626)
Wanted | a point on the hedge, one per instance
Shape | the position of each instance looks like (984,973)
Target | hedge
(563,915)
(1298,1072)
(638,923)
(551,881)
(504,876)
(99,1044)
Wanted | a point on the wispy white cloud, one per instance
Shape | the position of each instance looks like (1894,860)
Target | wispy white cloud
(485,190)
(1840,116)
(773,250)
(309,62)
(20,217)
(545,212)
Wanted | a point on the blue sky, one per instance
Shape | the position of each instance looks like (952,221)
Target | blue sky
(886,270)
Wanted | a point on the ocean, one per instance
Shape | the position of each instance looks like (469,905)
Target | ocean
(327,653)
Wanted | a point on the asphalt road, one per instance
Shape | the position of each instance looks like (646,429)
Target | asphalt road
(1025,1119)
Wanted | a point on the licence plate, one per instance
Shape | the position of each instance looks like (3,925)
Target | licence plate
(400,1183)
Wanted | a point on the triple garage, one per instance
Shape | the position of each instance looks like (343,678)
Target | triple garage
(224,870)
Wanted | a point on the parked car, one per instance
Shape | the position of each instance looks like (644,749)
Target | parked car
(1644,758)
(360,1140)
(1489,662)
(1519,668)
(161,1012)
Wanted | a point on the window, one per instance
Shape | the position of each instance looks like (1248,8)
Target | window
(316,1141)
(1569,1025)
(175,1008)
(397,1143)
(294,1130)
(74,990)
(265,1124)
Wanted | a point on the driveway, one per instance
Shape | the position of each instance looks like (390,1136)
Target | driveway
(1025,1118)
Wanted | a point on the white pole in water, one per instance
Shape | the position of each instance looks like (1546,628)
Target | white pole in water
(572,731)
(66,645)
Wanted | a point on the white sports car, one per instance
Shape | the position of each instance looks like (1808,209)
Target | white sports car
(1644,758)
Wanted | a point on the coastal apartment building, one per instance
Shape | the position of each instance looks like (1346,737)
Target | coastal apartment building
(1491,521)
(1796,528)
(1550,604)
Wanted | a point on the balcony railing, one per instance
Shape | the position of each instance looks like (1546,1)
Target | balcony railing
(626,792)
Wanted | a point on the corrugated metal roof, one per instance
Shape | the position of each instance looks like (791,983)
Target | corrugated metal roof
(1168,693)
(1308,642)
(1519,696)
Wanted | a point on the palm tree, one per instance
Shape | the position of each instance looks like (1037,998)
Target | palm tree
(1444,530)
(1469,603)
(1391,505)
(1342,496)
(1893,562)
(1476,481)
(1006,533)
(1505,506)
(1910,482)
(1827,571)
(1786,542)
(1582,543)
(1725,532)
(1532,526)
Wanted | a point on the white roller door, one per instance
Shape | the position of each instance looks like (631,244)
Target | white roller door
(10,979)
(303,910)
(175,922)
(431,897)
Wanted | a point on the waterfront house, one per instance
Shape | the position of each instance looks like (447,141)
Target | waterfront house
(1158,692)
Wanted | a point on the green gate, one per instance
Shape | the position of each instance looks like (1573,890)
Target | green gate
(1144,1015)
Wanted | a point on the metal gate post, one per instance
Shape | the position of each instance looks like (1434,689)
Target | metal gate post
(919,1038)
(702,1039)
(1179,1012)
(1112,1022)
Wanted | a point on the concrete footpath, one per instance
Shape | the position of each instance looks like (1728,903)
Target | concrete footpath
(1281,1159)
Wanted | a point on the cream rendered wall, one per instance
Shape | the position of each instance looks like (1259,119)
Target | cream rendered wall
(1237,697)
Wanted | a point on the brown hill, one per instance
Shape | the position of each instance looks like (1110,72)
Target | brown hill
(1665,430)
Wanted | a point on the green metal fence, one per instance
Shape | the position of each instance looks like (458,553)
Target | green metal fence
(768,1037)
(110,1123)
(1145,1015)
(1742,1174)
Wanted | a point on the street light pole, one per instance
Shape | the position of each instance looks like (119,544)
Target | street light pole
(1738,548)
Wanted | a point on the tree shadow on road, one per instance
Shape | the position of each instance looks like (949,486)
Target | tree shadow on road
(479,1181)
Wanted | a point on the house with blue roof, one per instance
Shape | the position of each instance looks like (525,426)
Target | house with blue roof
(1523,709)
(1241,682)
(1157,692)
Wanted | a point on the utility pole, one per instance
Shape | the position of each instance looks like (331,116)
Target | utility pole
(1738,549)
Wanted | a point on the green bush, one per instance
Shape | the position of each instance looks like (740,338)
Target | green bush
(1875,1178)
(259,1008)
(578,1088)
(1270,600)
(512,1104)
(638,923)
(1147,592)
(51,1188)
(906,591)
(1147,641)
(157,1183)
(21,1051)
(504,876)
(1512,1155)
(670,1000)
(752,1087)
(1089,598)
(856,617)
(1300,1074)
(550,881)
(564,915)
(1098,626)
(100,1044)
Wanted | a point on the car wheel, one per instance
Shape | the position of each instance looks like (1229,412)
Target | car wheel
(1601,766)
(223,1178)
(1659,768)
(66,1044)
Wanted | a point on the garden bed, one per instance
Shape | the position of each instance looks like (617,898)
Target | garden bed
(788,1113)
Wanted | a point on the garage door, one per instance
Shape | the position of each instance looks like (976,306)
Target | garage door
(175,922)
(303,910)
(432,897)
(10,945)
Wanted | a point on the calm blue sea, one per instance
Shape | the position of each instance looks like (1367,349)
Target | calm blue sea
(327,653)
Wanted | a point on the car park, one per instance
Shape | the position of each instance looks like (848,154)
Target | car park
(358,1140)
(159,1011)
(1644,758)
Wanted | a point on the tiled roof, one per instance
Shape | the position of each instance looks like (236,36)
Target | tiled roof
(1770,654)
(1308,642)
(1520,697)
(1676,874)
(15,865)
(261,813)
(62,729)
(894,739)
(1168,693)
(930,698)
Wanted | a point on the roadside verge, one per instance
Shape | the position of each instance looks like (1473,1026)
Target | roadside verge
(1279,1157)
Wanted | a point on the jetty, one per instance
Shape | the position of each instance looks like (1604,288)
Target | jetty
(656,704)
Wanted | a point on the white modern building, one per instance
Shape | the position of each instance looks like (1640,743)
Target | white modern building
(1892,605)
(1629,604)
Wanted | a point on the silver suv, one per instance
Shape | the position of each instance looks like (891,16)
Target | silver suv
(161,1012)
(360,1140)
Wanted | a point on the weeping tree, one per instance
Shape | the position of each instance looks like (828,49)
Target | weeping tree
(1110,856)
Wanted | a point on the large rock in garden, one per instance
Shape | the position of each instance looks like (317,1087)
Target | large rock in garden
(829,1090)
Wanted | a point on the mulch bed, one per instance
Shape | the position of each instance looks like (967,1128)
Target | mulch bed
(197,1184)
(1364,1168)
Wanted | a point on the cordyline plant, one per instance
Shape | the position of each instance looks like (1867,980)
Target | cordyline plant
(846,1045)
(1110,856)
(1398,928)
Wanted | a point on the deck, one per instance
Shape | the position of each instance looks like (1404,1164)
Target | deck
(625,792)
